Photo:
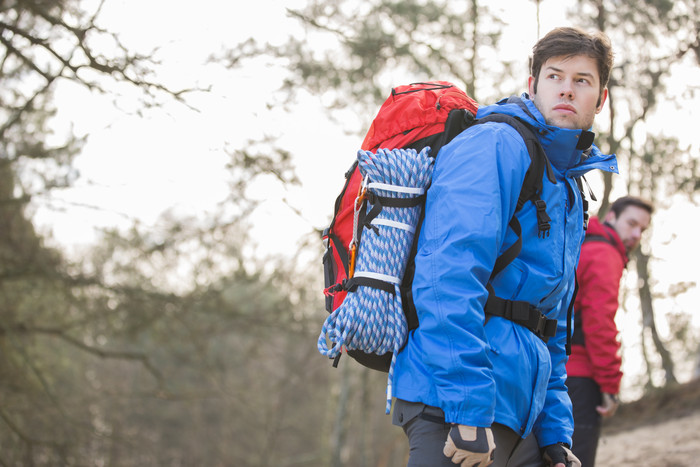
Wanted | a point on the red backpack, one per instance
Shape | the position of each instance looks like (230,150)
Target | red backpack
(414,116)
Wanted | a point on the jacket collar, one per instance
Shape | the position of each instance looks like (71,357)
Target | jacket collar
(564,147)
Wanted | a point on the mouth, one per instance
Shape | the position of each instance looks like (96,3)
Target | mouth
(565,108)
(630,245)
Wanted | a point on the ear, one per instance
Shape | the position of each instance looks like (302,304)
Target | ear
(610,217)
(603,97)
(531,86)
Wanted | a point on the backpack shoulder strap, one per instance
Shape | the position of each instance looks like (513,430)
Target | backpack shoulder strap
(457,121)
(522,312)
(532,185)
(599,238)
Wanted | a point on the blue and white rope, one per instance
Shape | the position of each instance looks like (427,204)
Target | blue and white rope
(372,320)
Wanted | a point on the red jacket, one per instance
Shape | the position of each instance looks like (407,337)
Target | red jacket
(599,272)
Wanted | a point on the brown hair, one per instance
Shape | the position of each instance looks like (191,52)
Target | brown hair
(569,42)
(621,204)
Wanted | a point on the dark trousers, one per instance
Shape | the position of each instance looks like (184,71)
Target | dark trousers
(427,432)
(585,396)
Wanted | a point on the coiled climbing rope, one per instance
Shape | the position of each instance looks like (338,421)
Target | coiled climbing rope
(370,319)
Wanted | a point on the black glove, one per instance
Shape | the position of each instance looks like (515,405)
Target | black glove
(470,446)
(560,454)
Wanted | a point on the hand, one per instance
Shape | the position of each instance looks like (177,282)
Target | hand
(470,446)
(609,406)
(559,455)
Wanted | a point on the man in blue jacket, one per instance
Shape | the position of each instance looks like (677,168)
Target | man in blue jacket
(472,388)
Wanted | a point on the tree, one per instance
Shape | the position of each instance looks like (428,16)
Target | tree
(223,379)
(353,53)
(154,346)
(43,43)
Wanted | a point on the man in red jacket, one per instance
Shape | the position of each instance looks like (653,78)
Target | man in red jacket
(594,365)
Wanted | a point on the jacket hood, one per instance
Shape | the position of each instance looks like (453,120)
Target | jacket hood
(565,148)
(595,227)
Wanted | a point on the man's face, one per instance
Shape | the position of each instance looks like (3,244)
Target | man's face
(568,90)
(630,225)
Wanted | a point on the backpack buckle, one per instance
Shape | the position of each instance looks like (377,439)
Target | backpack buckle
(545,327)
(541,324)
(543,219)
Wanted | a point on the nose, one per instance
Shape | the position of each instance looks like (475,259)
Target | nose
(636,235)
(567,90)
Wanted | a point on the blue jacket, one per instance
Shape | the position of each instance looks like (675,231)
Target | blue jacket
(499,371)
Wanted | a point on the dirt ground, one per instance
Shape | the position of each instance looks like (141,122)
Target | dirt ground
(659,430)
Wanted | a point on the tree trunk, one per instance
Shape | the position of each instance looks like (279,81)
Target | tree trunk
(366,418)
(338,436)
(696,371)
(645,300)
(473,60)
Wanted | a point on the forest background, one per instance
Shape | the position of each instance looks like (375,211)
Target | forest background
(165,171)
